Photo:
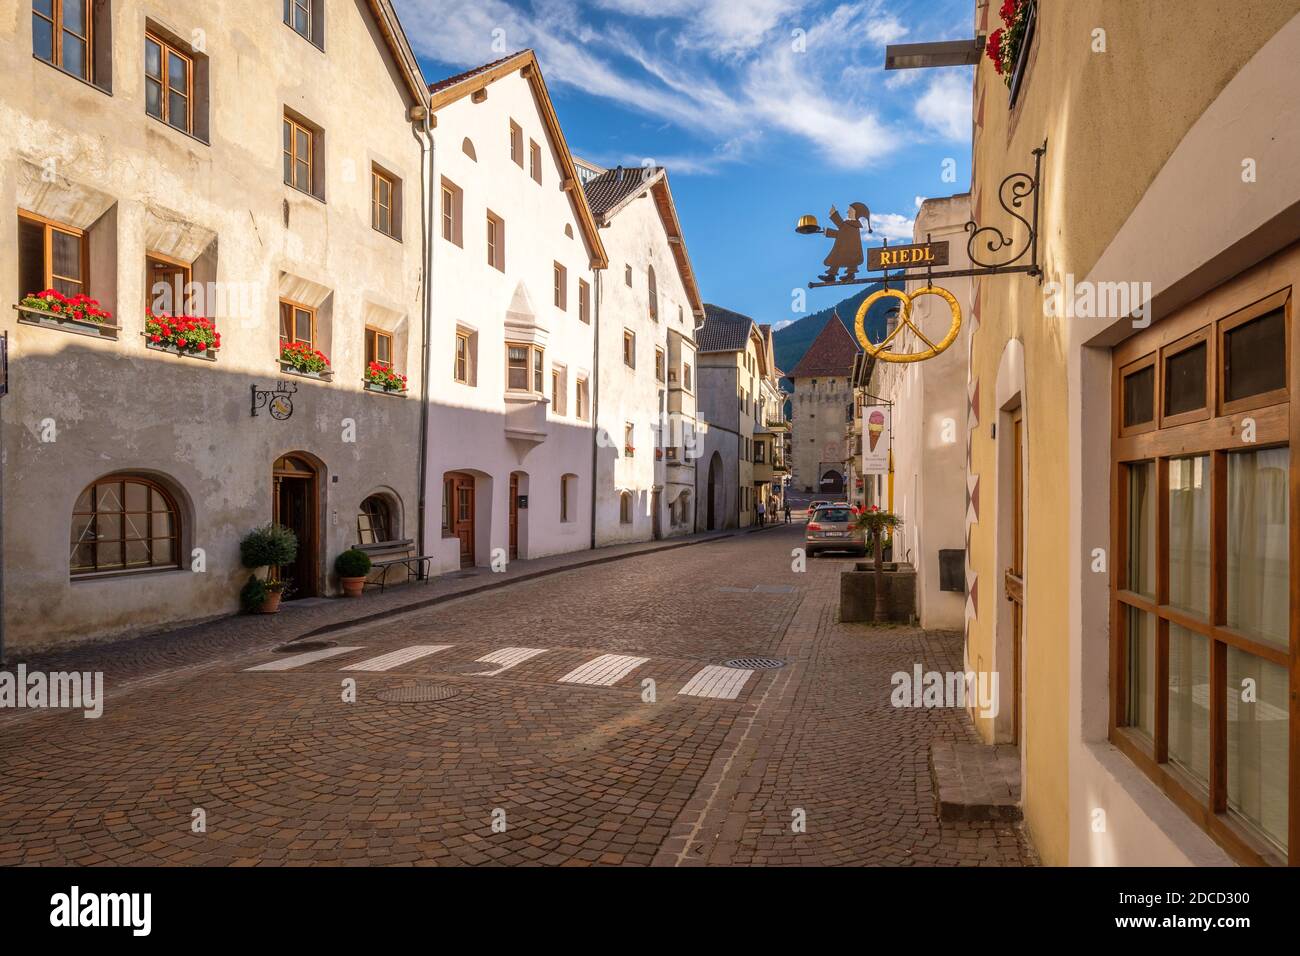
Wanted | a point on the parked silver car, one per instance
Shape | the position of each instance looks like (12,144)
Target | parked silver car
(834,528)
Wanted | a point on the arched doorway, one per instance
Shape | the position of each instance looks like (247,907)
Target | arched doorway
(295,503)
(714,491)
(832,482)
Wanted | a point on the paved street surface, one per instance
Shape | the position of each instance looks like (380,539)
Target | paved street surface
(552,734)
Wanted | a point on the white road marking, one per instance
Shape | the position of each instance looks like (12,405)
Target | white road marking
(386,662)
(507,658)
(720,683)
(297,660)
(606,670)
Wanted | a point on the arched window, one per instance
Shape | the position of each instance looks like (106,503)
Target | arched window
(124,523)
(625,507)
(375,522)
(654,295)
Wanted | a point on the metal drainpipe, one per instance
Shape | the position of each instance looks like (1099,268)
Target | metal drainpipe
(595,399)
(426,217)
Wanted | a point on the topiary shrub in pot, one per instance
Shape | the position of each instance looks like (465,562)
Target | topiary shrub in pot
(271,546)
(352,566)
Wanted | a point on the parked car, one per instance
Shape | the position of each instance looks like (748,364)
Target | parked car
(814,505)
(834,528)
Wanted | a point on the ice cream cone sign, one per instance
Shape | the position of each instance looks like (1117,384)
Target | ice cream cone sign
(875,426)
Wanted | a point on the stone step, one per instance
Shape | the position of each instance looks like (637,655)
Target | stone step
(976,781)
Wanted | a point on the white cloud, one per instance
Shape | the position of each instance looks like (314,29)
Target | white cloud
(945,107)
(885,30)
(892,226)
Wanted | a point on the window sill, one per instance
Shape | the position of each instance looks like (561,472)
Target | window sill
(379,389)
(80,79)
(304,192)
(122,573)
(209,356)
(53,320)
(325,376)
(387,235)
(184,132)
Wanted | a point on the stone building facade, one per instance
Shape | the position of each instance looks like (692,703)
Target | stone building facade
(821,406)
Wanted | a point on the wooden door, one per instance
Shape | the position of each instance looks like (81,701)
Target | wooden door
(462,516)
(294,506)
(514,515)
(1015,575)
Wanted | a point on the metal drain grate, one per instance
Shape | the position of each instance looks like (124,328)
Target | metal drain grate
(754,663)
(472,667)
(418,693)
(298,647)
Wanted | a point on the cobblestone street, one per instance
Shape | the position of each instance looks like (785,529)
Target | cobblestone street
(571,762)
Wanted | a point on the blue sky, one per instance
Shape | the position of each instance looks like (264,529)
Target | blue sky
(760,109)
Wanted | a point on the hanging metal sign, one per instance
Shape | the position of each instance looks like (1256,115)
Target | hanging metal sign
(916,255)
(278,401)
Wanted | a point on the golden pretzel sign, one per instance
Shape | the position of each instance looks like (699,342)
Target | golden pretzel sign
(905,319)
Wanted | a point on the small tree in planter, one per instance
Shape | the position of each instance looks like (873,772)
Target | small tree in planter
(877,524)
(271,546)
(352,566)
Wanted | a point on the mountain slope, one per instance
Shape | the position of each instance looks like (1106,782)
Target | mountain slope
(792,341)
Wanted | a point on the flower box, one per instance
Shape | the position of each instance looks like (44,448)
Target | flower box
(27,315)
(373,387)
(181,335)
(382,378)
(325,375)
(1008,46)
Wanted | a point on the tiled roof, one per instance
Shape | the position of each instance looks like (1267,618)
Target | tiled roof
(461,77)
(611,187)
(831,353)
(723,330)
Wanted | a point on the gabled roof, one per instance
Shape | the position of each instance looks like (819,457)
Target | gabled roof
(457,87)
(610,192)
(723,330)
(831,353)
(395,37)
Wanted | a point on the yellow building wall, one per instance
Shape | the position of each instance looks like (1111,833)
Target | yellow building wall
(1110,118)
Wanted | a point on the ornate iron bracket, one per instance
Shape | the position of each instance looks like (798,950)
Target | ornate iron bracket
(992,251)
(278,400)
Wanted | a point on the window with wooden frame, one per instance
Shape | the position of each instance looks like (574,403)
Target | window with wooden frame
(496,242)
(375,523)
(559,390)
(581,401)
(168,84)
(629,348)
(463,365)
(65,35)
(560,276)
(525,368)
(297,324)
(584,301)
(379,347)
(301,148)
(1204,631)
(535,161)
(659,365)
(453,208)
(652,291)
(307,19)
(166,284)
(516,144)
(686,376)
(385,213)
(51,255)
(124,523)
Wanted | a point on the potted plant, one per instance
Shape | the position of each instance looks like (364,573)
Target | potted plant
(301,357)
(271,546)
(352,566)
(877,524)
(182,334)
(1004,43)
(381,378)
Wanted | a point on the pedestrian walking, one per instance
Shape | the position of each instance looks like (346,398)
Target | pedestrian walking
(787,511)
(762,512)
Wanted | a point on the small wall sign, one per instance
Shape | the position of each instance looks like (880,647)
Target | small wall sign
(278,401)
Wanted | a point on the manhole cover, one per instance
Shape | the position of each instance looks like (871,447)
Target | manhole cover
(300,646)
(754,663)
(418,693)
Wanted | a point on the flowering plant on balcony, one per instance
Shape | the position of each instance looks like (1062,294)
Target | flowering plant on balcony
(185,333)
(301,357)
(79,307)
(379,374)
(1004,43)
(629,450)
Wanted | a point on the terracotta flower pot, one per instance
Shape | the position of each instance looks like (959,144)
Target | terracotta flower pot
(272,603)
(352,587)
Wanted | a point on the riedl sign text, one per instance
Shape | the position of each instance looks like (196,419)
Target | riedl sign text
(916,255)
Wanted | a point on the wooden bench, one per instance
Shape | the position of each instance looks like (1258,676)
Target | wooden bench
(417,566)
